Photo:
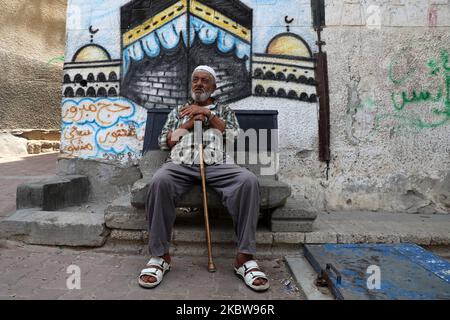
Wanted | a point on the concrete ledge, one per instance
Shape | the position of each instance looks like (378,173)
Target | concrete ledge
(361,227)
(72,228)
(108,179)
(305,277)
(52,194)
(294,216)
(55,228)
(126,220)
(273,194)
(120,214)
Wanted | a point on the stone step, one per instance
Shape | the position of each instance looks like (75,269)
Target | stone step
(62,228)
(120,214)
(297,215)
(273,194)
(364,227)
(189,239)
(138,244)
(222,235)
(189,231)
(54,193)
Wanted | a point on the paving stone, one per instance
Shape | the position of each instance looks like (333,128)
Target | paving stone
(48,294)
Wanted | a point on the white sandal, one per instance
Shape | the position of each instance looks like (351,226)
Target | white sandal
(154,264)
(249,276)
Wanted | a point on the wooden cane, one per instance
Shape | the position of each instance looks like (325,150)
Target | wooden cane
(211,265)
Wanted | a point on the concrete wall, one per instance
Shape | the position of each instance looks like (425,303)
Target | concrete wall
(33,38)
(389,98)
(390,146)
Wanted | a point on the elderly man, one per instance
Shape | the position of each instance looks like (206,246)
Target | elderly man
(237,186)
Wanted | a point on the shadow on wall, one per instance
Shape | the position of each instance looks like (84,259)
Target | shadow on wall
(48,15)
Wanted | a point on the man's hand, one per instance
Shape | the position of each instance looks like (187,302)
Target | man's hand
(193,110)
(175,136)
(190,124)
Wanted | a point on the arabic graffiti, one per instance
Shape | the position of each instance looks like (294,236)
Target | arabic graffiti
(409,107)
(108,128)
(402,66)
(102,113)
(437,100)
(78,139)
(418,108)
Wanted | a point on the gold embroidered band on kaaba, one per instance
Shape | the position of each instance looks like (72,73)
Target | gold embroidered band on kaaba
(202,11)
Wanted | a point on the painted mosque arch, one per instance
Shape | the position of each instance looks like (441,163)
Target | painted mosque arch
(112,76)
(91,77)
(271,92)
(304,97)
(280,76)
(302,79)
(91,92)
(291,78)
(67,78)
(68,93)
(311,81)
(80,93)
(101,77)
(78,78)
(258,73)
(292,94)
(269,75)
(102,92)
(281,93)
(112,92)
(259,90)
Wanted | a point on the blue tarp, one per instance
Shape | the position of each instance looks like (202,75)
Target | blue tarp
(406,271)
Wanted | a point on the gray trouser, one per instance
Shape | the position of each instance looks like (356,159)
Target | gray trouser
(238,188)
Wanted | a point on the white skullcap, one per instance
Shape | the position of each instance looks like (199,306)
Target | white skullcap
(207,69)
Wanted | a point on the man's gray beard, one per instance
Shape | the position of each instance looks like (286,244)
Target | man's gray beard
(200,97)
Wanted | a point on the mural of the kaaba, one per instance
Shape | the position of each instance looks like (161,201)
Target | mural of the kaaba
(124,57)
(164,40)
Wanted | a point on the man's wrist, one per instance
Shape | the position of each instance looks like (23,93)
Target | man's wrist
(211,115)
(186,125)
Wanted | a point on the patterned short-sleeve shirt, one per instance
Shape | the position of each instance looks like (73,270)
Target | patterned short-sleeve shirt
(214,142)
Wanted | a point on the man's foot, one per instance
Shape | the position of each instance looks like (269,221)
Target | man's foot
(151,279)
(242,258)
